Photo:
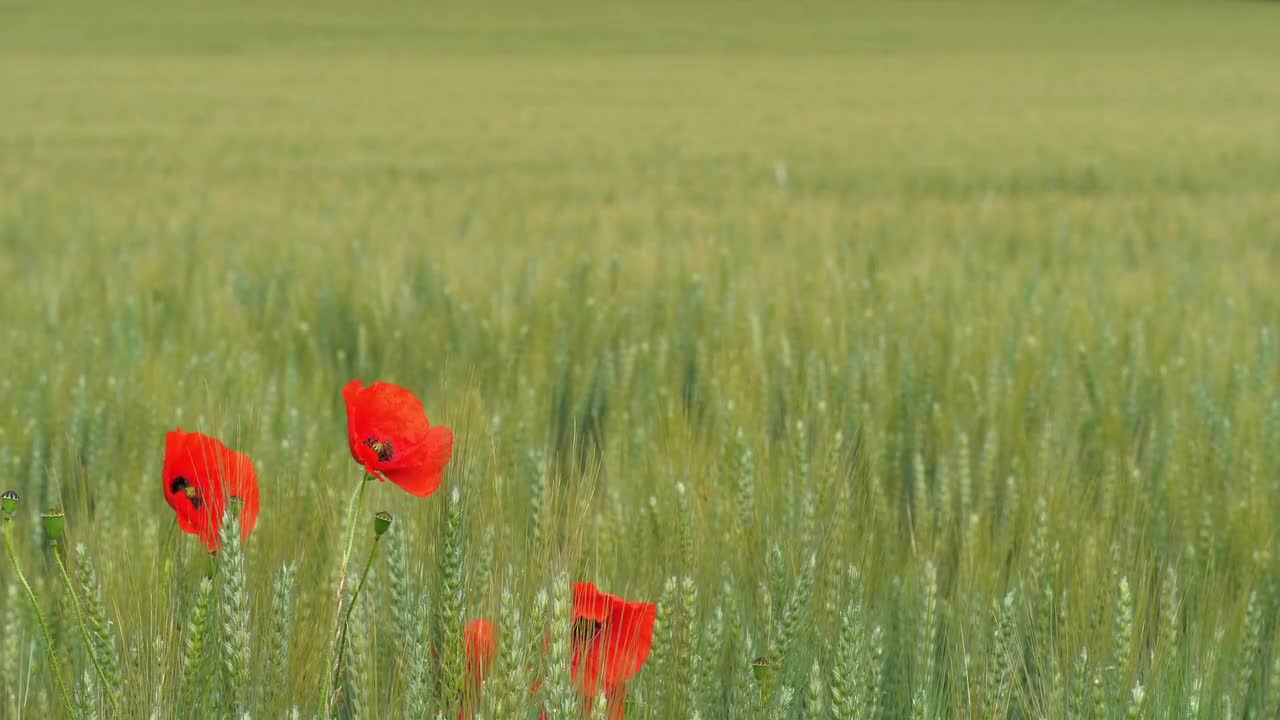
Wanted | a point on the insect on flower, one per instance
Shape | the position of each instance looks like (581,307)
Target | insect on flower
(390,436)
(201,475)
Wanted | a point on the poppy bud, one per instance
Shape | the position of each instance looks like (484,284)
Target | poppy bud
(760,668)
(381,523)
(54,523)
(9,502)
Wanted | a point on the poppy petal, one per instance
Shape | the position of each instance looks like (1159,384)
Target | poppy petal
(590,603)
(198,470)
(629,640)
(190,489)
(622,642)
(349,394)
(397,407)
(422,478)
(616,703)
(480,641)
(243,482)
(416,481)
(187,525)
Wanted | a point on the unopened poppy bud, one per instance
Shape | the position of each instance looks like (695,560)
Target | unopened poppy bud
(381,523)
(9,502)
(760,668)
(54,523)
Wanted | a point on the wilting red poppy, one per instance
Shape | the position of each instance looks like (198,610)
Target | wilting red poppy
(480,643)
(200,475)
(390,436)
(612,639)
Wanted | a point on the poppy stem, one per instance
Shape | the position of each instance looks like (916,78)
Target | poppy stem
(330,666)
(346,620)
(352,509)
(168,538)
(168,543)
(44,627)
(166,565)
(84,632)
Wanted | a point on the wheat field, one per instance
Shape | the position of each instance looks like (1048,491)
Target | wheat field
(917,360)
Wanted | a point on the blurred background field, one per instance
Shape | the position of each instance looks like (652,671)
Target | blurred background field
(972,305)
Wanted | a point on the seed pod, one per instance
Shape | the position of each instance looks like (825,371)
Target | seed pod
(381,523)
(9,503)
(54,523)
(760,668)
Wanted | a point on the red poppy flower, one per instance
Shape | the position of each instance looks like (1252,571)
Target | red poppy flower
(612,639)
(390,436)
(200,475)
(480,640)
(480,643)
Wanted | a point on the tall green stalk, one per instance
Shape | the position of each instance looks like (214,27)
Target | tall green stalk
(329,685)
(44,627)
(346,620)
(84,630)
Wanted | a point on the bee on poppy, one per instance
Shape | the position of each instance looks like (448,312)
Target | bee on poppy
(389,434)
(384,449)
(201,476)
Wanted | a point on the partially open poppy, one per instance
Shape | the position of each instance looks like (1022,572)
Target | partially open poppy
(200,476)
(390,436)
(612,638)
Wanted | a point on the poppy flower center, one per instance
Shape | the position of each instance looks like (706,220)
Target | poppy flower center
(191,492)
(382,448)
(585,630)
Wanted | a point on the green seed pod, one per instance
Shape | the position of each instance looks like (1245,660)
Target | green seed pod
(9,502)
(381,523)
(54,523)
(760,668)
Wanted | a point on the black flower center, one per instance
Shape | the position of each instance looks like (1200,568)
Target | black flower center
(585,630)
(381,447)
(191,492)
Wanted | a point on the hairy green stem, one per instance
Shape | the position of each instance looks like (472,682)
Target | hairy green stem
(346,620)
(331,664)
(44,628)
(84,631)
